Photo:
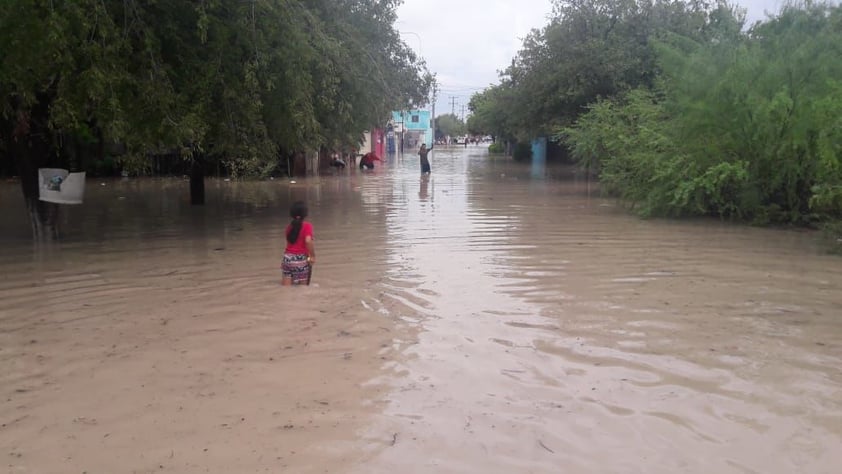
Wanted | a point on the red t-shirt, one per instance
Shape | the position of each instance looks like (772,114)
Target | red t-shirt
(299,247)
(369,159)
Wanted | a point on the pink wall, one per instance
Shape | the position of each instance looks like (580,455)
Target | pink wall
(378,142)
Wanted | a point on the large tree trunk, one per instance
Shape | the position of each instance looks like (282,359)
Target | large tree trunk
(197,183)
(43,216)
(44,219)
(30,142)
(299,164)
(32,149)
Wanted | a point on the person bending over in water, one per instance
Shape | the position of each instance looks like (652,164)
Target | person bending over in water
(300,253)
(367,161)
(425,163)
(336,162)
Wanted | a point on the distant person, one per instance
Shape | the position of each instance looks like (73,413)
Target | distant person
(300,252)
(425,162)
(367,161)
(337,162)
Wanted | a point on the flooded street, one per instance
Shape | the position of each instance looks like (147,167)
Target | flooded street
(488,318)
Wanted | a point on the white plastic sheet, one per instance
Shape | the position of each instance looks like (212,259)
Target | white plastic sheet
(60,186)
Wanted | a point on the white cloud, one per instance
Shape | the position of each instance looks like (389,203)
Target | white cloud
(467,41)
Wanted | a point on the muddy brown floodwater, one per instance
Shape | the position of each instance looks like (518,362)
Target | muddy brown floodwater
(491,318)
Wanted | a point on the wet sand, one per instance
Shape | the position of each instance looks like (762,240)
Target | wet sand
(489,318)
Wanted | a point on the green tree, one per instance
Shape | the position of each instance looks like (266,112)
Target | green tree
(231,82)
(742,125)
(63,74)
(591,49)
(489,113)
(450,125)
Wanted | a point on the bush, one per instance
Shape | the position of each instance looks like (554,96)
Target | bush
(747,128)
(496,148)
(833,236)
(523,152)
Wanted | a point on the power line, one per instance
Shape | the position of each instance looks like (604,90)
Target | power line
(466,87)
(462,91)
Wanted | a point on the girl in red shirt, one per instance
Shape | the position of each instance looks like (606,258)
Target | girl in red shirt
(300,253)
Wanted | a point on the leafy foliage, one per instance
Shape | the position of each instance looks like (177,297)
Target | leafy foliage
(234,81)
(489,115)
(742,125)
(591,49)
(450,125)
(522,152)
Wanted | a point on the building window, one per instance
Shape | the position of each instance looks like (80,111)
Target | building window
(414,119)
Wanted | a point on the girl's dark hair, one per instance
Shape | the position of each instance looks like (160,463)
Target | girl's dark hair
(298,211)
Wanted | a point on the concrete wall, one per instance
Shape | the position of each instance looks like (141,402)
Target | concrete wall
(418,122)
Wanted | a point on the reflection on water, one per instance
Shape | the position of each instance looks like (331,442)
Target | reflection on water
(545,329)
(156,335)
(557,331)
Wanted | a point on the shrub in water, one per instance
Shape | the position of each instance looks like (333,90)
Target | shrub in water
(523,152)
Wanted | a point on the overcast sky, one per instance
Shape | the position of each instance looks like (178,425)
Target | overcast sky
(465,42)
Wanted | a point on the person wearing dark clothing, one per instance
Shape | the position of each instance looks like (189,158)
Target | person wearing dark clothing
(336,162)
(425,162)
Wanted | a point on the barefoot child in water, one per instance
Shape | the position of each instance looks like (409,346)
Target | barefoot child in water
(300,253)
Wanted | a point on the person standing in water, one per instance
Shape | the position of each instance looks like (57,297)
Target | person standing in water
(425,163)
(300,253)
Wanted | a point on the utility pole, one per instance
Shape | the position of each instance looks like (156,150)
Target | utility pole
(433,118)
(453,105)
(463,114)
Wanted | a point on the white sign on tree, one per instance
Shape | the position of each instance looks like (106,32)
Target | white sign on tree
(60,186)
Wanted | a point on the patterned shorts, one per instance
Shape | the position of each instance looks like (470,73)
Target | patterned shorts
(295,266)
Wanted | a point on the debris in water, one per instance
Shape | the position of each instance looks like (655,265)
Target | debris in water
(545,446)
